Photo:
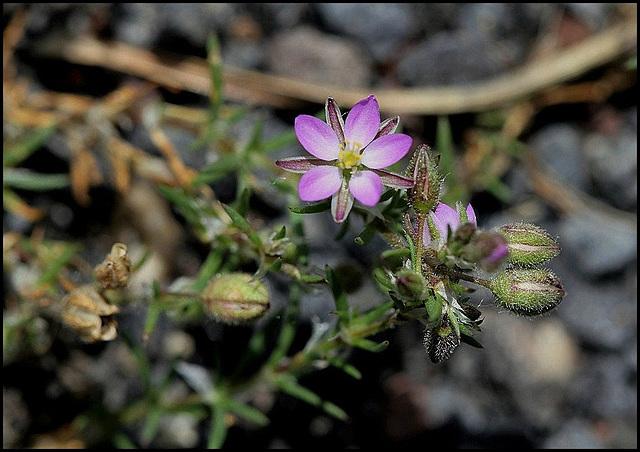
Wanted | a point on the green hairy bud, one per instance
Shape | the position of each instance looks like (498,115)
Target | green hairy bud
(410,285)
(427,182)
(235,298)
(529,244)
(527,291)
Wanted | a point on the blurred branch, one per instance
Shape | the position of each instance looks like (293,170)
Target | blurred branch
(192,74)
(565,199)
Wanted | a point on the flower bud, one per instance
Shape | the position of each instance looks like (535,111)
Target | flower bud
(527,291)
(114,272)
(427,182)
(464,232)
(87,312)
(410,285)
(489,249)
(529,244)
(236,298)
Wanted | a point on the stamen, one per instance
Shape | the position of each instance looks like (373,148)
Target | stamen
(349,155)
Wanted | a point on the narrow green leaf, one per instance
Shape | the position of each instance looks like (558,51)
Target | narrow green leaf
(339,295)
(467,339)
(17,153)
(345,367)
(254,140)
(412,251)
(313,208)
(242,203)
(370,346)
(279,141)
(219,427)
(388,194)
(153,313)
(226,164)
(247,412)
(151,425)
(344,228)
(282,232)
(366,235)
(311,279)
(288,330)
(29,180)
(444,146)
(382,279)
(375,313)
(393,259)
(497,188)
(276,265)
(209,268)
(292,387)
(183,202)
(433,305)
(454,321)
(241,223)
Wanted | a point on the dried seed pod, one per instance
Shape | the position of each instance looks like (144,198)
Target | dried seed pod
(236,298)
(114,271)
(88,313)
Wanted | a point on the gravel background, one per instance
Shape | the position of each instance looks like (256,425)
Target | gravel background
(565,380)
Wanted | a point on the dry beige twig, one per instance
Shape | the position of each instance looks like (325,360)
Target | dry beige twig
(192,74)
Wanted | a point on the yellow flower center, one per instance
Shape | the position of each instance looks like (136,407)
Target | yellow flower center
(349,155)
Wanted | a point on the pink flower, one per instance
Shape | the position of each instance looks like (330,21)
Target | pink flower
(445,217)
(348,156)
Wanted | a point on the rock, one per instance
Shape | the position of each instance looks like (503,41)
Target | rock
(613,165)
(381,28)
(306,54)
(448,58)
(599,243)
(558,147)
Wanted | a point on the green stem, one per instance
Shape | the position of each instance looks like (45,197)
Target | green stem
(417,264)
(466,277)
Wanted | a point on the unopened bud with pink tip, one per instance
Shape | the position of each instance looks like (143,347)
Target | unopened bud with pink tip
(527,291)
(427,182)
(236,298)
(529,244)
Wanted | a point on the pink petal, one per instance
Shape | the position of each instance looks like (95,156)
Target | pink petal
(334,118)
(299,164)
(319,183)
(341,204)
(444,216)
(471,215)
(366,187)
(362,122)
(386,150)
(426,236)
(317,137)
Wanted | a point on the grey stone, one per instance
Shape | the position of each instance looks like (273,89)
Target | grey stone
(306,54)
(558,148)
(598,242)
(380,27)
